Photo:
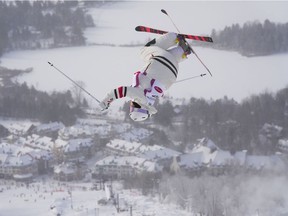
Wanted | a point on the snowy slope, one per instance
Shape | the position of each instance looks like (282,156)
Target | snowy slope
(39,198)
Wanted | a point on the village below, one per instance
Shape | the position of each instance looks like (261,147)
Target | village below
(103,151)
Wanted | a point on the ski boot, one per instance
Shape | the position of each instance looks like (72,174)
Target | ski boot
(184,45)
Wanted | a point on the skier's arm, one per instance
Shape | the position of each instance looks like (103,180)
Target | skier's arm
(120,92)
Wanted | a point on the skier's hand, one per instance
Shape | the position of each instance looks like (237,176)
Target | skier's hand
(104,105)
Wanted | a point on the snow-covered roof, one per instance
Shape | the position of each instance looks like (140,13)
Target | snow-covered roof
(17,126)
(36,153)
(85,129)
(222,158)
(207,155)
(53,126)
(38,142)
(283,143)
(76,144)
(91,122)
(145,148)
(11,149)
(136,134)
(66,168)
(123,145)
(161,153)
(59,143)
(191,160)
(19,161)
(22,176)
(264,162)
(240,157)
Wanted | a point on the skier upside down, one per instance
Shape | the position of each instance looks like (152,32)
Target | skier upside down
(162,56)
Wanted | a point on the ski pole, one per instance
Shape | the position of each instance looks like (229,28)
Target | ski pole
(75,83)
(165,12)
(189,78)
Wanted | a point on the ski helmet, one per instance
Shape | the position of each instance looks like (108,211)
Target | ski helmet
(137,113)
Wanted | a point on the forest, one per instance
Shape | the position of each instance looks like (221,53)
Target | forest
(253,38)
(21,101)
(41,24)
(48,24)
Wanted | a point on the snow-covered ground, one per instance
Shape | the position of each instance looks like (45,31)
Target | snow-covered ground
(38,199)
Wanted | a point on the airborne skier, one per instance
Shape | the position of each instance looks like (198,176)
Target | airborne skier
(162,56)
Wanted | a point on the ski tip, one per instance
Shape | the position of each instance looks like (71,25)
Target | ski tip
(137,28)
(164,11)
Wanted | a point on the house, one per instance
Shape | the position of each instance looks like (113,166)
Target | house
(21,167)
(69,171)
(78,149)
(121,167)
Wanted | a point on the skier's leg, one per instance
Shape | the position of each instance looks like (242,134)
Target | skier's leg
(167,40)
(184,44)
(178,53)
(164,41)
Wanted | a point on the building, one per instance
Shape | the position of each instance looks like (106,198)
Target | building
(121,167)
(69,171)
(78,149)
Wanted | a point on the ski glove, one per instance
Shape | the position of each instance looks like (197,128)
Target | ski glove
(104,105)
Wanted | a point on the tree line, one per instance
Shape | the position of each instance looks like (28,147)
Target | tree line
(253,38)
(41,24)
(21,101)
(255,124)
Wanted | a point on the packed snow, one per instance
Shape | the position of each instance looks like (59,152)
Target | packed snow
(48,197)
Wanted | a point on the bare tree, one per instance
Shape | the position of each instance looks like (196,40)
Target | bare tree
(77,93)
